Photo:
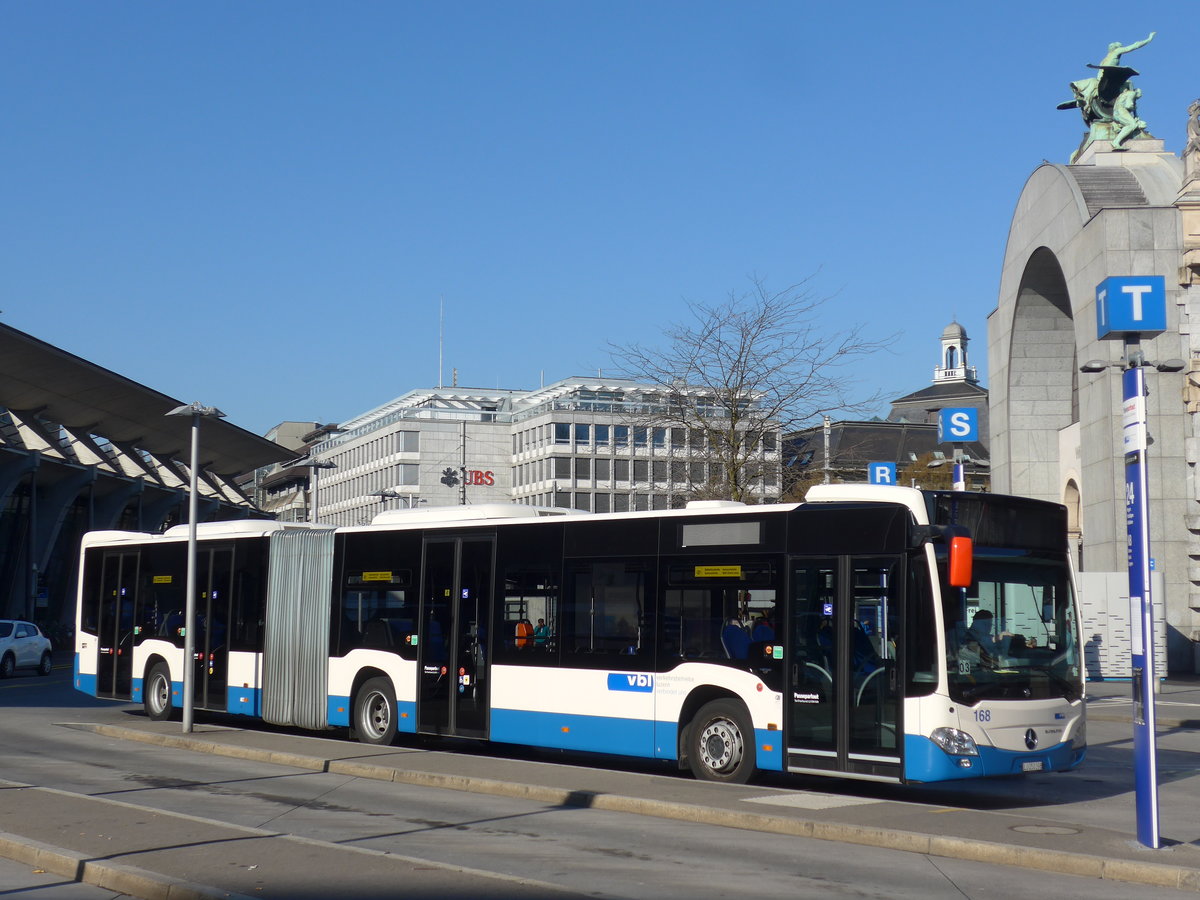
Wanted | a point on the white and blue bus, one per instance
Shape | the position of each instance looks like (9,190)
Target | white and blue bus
(881,633)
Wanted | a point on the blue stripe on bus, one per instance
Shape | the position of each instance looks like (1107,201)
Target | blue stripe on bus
(769,759)
(337,711)
(926,761)
(85,684)
(243,701)
(565,731)
(406,716)
(606,734)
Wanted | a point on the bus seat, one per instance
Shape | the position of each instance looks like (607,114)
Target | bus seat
(735,641)
(377,635)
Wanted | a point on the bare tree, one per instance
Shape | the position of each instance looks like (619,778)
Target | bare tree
(919,472)
(740,373)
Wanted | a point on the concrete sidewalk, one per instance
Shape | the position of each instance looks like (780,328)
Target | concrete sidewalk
(152,854)
(1177,702)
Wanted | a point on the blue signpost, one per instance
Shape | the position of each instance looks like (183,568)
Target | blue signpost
(958,424)
(1130,307)
(1141,609)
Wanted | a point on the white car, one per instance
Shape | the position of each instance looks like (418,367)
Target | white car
(22,645)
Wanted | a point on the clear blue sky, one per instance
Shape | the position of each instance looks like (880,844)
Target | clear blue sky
(258,205)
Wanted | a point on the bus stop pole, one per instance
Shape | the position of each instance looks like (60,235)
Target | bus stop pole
(1144,672)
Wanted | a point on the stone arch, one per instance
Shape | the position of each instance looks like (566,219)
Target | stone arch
(1072,500)
(1042,385)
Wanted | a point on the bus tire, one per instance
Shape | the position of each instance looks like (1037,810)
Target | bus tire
(156,693)
(375,712)
(720,743)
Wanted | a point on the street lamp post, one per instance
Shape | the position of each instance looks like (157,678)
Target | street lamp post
(316,465)
(315,488)
(196,411)
(384,496)
(964,464)
(410,501)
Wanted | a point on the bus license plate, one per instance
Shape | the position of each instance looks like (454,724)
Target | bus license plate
(1034,765)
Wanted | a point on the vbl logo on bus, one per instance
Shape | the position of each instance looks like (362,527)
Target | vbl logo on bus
(624,681)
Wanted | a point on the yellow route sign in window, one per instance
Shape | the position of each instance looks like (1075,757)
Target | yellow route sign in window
(718,571)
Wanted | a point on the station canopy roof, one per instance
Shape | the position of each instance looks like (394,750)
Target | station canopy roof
(61,388)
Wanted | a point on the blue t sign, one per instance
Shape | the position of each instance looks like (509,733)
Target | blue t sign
(958,424)
(881,472)
(1131,304)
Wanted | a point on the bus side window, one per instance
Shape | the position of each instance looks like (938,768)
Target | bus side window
(606,622)
(527,615)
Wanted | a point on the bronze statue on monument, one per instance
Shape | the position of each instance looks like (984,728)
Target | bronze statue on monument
(1108,101)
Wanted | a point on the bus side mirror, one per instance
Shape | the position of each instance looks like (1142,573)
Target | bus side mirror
(962,551)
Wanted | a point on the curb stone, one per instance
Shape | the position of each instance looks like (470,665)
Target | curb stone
(110,876)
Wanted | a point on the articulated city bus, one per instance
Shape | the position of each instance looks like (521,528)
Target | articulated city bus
(881,633)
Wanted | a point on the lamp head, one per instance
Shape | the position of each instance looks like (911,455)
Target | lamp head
(196,409)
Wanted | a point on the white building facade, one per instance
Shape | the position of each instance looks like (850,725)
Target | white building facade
(601,445)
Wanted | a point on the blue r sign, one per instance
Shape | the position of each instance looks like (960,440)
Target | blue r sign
(881,473)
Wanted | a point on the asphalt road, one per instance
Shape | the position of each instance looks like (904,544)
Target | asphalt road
(562,849)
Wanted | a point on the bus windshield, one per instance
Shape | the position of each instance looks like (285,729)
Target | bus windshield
(1012,635)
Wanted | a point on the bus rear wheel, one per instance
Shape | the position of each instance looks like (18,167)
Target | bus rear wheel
(375,712)
(721,743)
(156,693)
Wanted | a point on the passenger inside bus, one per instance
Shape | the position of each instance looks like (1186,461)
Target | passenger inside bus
(524,634)
(993,647)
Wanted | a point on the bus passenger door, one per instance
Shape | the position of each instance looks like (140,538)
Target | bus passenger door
(211,642)
(114,627)
(845,701)
(456,599)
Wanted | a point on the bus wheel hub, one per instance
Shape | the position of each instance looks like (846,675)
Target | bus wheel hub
(721,745)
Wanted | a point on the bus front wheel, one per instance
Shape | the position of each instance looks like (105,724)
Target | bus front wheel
(156,693)
(721,743)
(375,712)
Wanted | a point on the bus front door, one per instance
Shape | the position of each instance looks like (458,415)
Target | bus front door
(845,702)
(456,597)
(114,626)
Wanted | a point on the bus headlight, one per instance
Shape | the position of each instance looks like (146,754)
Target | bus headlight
(954,742)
